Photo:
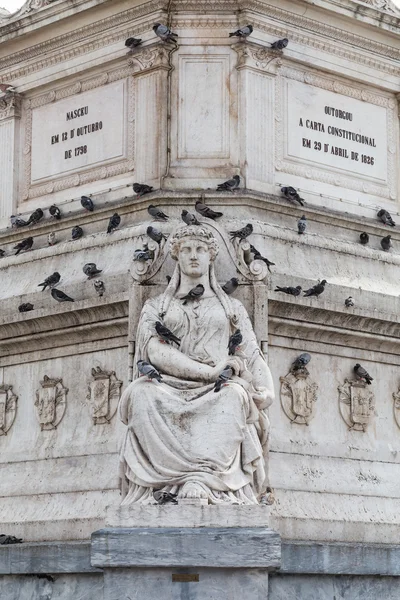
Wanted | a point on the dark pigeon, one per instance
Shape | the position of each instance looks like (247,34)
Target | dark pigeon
(148,370)
(17,222)
(155,235)
(77,232)
(55,212)
(291,194)
(189,218)
(230,185)
(206,211)
(234,342)
(113,223)
(164,32)
(362,374)
(280,44)
(386,243)
(60,296)
(2,253)
(143,255)
(243,233)
(156,213)
(302,224)
(292,291)
(168,278)
(301,361)
(349,302)
(99,287)
(91,270)
(231,286)
(316,290)
(25,244)
(223,377)
(36,216)
(243,32)
(141,189)
(258,256)
(25,307)
(6,540)
(50,281)
(87,203)
(194,293)
(364,238)
(385,217)
(132,42)
(163,497)
(166,334)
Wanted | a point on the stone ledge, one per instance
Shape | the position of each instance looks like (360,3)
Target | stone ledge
(252,547)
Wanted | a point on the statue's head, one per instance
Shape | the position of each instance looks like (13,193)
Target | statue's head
(194,248)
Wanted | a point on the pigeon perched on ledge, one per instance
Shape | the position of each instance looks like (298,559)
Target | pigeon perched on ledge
(6,540)
(316,290)
(91,270)
(99,287)
(141,189)
(349,302)
(26,307)
(302,224)
(55,212)
(280,44)
(242,233)
(87,203)
(50,281)
(156,213)
(35,217)
(206,211)
(155,235)
(77,232)
(291,194)
(362,374)
(243,32)
(230,185)
(189,218)
(385,217)
(61,296)
(113,223)
(17,222)
(132,43)
(386,243)
(300,362)
(292,291)
(364,238)
(164,33)
(24,245)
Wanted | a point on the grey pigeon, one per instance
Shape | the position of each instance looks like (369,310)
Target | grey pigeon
(223,377)
(156,213)
(17,222)
(25,245)
(141,189)
(163,497)
(243,233)
(99,287)
(35,217)
(364,238)
(291,194)
(386,243)
(349,302)
(194,294)
(292,291)
(230,185)
(234,342)
(280,44)
(6,540)
(164,32)
(60,296)
(206,211)
(302,224)
(362,374)
(55,212)
(148,370)
(51,239)
(113,223)
(50,281)
(166,334)
(243,32)
(132,42)
(385,217)
(142,255)
(87,203)
(77,232)
(316,290)
(25,307)
(301,361)
(155,234)
(231,286)
(189,218)
(91,270)
(2,253)
(258,256)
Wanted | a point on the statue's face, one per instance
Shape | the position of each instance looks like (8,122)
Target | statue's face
(194,257)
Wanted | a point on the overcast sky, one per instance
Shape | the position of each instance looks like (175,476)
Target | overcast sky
(13,5)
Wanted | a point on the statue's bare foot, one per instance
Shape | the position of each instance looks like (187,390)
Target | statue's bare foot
(192,493)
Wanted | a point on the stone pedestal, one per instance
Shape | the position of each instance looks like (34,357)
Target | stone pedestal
(187,552)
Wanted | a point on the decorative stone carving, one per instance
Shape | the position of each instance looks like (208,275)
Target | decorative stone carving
(143,270)
(396,406)
(103,395)
(356,404)
(182,437)
(10,105)
(150,57)
(51,402)
(258,57)
(298,396)
(8,408)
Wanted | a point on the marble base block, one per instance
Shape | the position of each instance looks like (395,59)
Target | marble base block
(187,552)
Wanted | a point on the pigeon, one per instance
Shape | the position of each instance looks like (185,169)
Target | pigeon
(302,224)
(230,185)
(291,194)
(51,239)
(258,256)
(194,294)
(26,244)
(87,203)
(157,213)
(155,235)
(243,233)
(349,302)
(206,211)
(243,32)
(301,361)
(162,497)
(35,217)
(77,232)
(143,255)
(234,342)
(362,374)
(99,287)
(113,223)
(148,370)
(316,290)
(60,296)
(17,222)
(189,218)
(168,278)
(292,291)
(6,540)
(50,281)
(364,238)
(2,253)
(386,243)
(25,307)
(55,212)
(223,377)
(166,334)
(280,44)
(141,189)
(132,42)
(164,32)
(385,217)
(230,286)
(91,270)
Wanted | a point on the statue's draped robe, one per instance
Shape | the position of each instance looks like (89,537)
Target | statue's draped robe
(179,430)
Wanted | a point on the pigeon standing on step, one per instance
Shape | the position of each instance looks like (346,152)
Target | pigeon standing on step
(243,32)
(230,185)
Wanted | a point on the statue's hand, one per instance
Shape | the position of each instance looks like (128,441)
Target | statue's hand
(262,397)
